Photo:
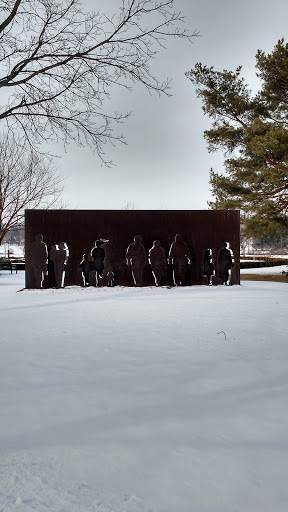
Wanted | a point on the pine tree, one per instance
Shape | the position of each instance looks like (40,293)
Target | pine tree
(252,131)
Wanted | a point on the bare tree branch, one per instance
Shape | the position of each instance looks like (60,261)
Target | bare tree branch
(58,63)
(11,15)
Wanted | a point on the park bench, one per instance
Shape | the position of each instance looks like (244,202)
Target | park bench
(9,265)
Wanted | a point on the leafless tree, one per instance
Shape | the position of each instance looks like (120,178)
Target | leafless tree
(27,180)
(58,63)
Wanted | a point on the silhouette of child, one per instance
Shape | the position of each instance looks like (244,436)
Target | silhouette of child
(208,266)
(98,255)
(85,268)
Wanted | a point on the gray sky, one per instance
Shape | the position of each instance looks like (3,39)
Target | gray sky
(165,163)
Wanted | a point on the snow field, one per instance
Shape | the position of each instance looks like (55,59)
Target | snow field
(278,269)
(155,400)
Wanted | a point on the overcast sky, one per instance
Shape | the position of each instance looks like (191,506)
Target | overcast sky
(165,163)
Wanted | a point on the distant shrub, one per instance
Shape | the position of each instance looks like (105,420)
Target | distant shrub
(272,262)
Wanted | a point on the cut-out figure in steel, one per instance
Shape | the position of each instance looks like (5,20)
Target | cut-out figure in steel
(53,252)
(157,260)
(224,264)
(109,276)
(53,257)
(179,254)
(39,259)
(136,257)
(59,255)
(208,269)
(86,267)
(98,255)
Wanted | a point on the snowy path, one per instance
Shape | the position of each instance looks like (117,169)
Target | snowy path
(133,400)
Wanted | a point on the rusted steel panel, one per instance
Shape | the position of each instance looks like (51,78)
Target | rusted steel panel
(80,228)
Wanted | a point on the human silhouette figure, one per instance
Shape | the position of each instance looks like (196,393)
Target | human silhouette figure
(53,257)
(179,254)
(98,255)
(224,264)
(136,258)
(59,255)
(208,269)
(109,274)
(157,260)
(86,267)
(39,259)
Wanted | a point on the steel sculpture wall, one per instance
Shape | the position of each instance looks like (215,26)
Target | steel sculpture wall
(79,229)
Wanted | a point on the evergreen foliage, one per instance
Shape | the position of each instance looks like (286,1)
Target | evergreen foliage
(252,131)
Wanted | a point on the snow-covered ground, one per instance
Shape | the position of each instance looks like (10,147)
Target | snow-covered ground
(278,269)
(143,400)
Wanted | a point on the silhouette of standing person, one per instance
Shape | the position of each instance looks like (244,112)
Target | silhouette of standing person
(53,258)
(157,260)
(85,266)
(224,264)
(179,254)
(39,260)
(136,257)
(98,255)
(59,255)
(208,269)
